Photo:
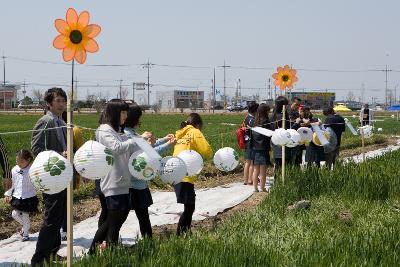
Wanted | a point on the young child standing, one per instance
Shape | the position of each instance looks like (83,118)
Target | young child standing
(189,137)
(261,145)
(22,194)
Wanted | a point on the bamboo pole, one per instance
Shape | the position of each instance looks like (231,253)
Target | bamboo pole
(70,189)
(283,147)
(362,144)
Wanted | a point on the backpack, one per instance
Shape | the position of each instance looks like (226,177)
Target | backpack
(240,135)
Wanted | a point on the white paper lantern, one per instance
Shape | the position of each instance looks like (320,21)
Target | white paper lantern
(280,137)
(50,172)
(93,160)
(306,135)
(193,161)
(226,159)
(173,170)
(143,167)
(367,131)
(295,138)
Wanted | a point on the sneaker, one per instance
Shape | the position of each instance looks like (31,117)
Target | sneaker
(25,238)
(64,236)
(256,190)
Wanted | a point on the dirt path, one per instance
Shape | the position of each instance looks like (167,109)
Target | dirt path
(88,207)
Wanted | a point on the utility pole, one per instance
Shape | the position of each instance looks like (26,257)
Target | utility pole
(225,66)
(240,91)
(148,66)
(133,92)
(215,101)
(24,92)
(386,70)
(269,89)
(362,93)
(4,71)
(120,89)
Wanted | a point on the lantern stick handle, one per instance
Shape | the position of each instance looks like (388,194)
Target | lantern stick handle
(283,147)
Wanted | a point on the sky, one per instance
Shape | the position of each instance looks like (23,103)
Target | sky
(339,46)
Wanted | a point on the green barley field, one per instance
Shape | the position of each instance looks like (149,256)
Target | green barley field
(354,218)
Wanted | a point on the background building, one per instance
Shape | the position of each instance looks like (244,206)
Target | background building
(8,96)
(177,99)
(315,100)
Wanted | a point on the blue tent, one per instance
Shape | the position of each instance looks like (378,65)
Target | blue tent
(394,108)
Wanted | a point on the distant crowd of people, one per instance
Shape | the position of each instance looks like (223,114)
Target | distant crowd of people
(260,152)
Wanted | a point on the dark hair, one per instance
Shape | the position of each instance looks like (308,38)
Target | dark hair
(296,98)
(52,93)
(280,101)
(194,119)
(328,111)
(134,114)
(25,154)
(307,114)
(252,107)
(112,113)
(262,113)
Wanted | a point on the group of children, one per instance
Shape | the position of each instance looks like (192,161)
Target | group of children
(260,152)
(119,191)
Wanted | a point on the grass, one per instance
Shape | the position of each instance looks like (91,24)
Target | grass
(271,235)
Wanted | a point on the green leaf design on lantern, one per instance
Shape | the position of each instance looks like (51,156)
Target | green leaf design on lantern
(139,163)
(109,156)
(236,155)
(38,184)
(54,166)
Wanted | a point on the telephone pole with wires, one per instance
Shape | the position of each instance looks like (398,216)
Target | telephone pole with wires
(147,66)
(4,70)
(225,66)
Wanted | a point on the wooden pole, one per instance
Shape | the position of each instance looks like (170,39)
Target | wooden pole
(362,144)
(283,147)
(70,189)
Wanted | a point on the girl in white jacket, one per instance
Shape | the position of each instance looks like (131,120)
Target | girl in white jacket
(22,194)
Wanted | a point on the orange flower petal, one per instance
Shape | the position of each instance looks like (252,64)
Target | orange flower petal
(275,76)
(83,19)
(80,55)
(61,26)
(59,42)
(92,30)
(69,53)
(91,46)
(72,17)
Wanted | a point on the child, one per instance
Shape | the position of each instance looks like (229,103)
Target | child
(260,144)
(22,194)
(139,192)
(115,185)
(249,122)
(189,137)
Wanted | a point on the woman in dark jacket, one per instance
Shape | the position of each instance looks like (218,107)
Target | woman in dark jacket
(261,146)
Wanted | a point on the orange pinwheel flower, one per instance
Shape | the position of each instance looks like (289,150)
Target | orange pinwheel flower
(285,77)
(76,36)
